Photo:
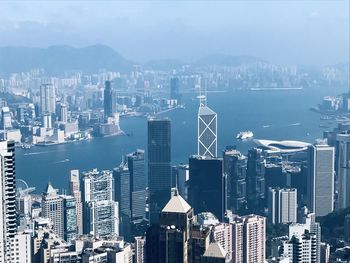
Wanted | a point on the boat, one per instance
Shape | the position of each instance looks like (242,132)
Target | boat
(245,135)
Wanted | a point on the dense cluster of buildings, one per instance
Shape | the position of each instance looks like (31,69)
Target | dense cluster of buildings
(216,208)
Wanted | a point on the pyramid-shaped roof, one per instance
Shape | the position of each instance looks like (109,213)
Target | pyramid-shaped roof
(49,189)
(215,251)
(176,205)
(205,110)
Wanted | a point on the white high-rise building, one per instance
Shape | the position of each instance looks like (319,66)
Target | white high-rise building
(282,205)
(8,223)
(301,248)
(207,129)
(140,249)
(320,178)
(343,170)
(248,239)
(52,208)
(311,232)
(47,98)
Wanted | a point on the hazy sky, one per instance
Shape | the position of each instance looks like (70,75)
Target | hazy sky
(302,32)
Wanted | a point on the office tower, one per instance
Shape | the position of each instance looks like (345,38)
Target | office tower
(282,205)
(215,254)
(102,218)
(74,190)
(248,236)
(140,249)
(47,99)
(101,214)
(255,180)
(320,179)
(8,222)
(207,130)
(20,113)
(109,101)
(69,218)
(138,184)
(62,112)
(52,208)
(121,177)
(159,165)
(175,90)
(169,241)
(347,227)
(6,119)
(235,169)
(206,191)
(342,169)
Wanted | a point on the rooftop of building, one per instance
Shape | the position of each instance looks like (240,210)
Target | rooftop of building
(176,205)
(215,251)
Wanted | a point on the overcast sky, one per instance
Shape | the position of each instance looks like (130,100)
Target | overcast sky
(290,32)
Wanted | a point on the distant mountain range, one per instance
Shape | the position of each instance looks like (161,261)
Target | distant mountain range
(57,59)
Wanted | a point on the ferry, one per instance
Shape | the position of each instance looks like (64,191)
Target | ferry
(245,135)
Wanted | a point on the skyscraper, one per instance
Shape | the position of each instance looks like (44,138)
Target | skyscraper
(235,169)
(8,223)
(52,208)
(175,89)
(255,180)
(282,205)
(47,99)
(109,101)
(159,165)
(206,190)
(69,218)
(101,214)
(207,131)
(138,183)
(320,179)
(74,190)
(123,197)
(343,170)
(169,241)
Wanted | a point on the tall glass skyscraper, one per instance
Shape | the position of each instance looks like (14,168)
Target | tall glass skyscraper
(320,179)
(207,131)
(109,101)
(235,169)
(207,191)
(343,170)
(159,165)
(138,183)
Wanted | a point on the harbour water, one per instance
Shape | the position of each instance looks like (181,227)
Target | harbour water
(279,115)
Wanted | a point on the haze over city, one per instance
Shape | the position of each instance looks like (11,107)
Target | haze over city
(283,32)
